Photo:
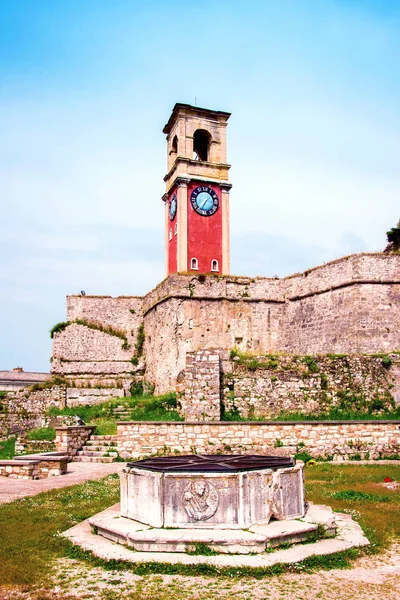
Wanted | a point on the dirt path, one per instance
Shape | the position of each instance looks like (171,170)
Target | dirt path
(12,489)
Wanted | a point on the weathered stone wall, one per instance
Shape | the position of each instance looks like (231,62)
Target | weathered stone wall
(116,312)
(264,386)
(25,446)
(177,326)
(90,396)
(347,306)
(339,440)
(22,411)
(81,352)
(201,398)
(71,439)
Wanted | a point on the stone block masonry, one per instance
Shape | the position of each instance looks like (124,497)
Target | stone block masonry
(21,411)
(201,398)
(91,396)
(71,439)
(348,306)
(264,386)
(333,440)
(92,355)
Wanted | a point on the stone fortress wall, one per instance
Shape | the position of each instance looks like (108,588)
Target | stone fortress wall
(351,305)
(91,356)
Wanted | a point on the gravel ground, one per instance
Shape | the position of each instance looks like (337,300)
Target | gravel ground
(371,578)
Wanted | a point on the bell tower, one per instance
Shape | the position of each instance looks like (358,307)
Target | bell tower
(197,192)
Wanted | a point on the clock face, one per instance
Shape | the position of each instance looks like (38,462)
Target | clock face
(172,207)
(204,200)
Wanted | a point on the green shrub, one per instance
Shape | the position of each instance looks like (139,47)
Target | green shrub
(311,364)
(136,388)
(7,449)
(387,361)
(393,236)
(304,456)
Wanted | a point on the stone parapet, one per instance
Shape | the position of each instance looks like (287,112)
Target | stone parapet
(339,439)
(71,439)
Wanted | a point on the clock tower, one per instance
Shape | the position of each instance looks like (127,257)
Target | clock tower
(197,192)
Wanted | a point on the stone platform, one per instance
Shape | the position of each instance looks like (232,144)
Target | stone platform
(125,534)
(257,539)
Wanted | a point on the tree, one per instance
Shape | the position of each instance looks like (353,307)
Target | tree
(393,238)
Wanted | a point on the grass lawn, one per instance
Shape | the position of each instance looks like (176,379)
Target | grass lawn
(29,527)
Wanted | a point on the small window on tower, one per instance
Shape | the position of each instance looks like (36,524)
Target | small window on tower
(194,264)
(214,265)
(175,144)
(170,234)
(201,144)
(176,228)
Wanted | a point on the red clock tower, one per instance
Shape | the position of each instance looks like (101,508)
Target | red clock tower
(197,194)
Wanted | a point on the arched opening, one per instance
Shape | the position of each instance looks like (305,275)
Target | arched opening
(175,144)
(194,264)
(214,265)
(201,145)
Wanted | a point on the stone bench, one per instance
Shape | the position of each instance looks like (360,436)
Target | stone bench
(35,466)
(18,469)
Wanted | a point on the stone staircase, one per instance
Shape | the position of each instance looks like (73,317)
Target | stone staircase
(99,449)
(122,413)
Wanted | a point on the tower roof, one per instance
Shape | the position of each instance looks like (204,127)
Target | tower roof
(201,112)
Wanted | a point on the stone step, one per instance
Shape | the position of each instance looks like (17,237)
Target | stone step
(100,448)
(96,459)
(111,438)
(85,452)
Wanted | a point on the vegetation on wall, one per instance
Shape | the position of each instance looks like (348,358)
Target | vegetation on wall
(140,337)
(108,329)
(55,380)
(334,386)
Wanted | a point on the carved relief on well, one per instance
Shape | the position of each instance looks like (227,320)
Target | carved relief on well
(200,500)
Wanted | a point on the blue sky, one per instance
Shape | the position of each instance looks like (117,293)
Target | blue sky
(85,89)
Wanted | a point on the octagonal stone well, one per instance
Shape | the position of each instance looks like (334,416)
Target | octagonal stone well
(212,491)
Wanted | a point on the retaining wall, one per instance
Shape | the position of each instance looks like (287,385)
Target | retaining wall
(341,439)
